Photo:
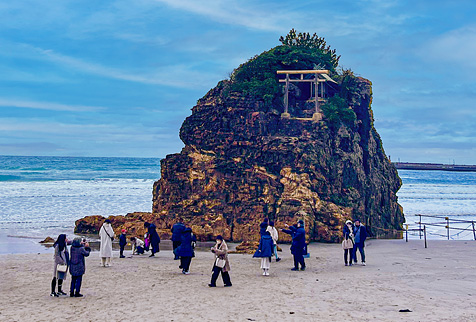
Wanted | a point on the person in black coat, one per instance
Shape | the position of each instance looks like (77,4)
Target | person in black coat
(154,238)
(177,230)
(122,243)
(186,249)
(79,250)
(298,246)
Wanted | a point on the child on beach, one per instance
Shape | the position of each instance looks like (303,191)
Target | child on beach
(122,243)
(137,246)
(265,248)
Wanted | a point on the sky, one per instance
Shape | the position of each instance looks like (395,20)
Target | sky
(117,78)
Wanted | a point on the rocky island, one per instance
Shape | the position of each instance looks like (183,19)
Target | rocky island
(287,136)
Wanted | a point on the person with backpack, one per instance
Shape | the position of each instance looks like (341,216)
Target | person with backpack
(177,230)
(298,246)
(61,263)
(186,249)
(106,234)
(79,250)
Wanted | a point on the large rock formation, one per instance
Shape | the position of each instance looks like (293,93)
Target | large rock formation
(242,161)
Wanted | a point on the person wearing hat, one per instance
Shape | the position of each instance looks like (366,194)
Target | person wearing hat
(348,242)
(122,243)
(221,263)
(298,246)
(360,235)
(106,234)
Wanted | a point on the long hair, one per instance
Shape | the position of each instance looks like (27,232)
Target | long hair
(61,242)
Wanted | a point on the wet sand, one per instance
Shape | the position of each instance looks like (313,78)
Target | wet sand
(435,284)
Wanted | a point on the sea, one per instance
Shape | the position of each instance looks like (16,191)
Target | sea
(43,196)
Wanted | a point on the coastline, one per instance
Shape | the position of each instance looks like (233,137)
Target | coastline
(436,284)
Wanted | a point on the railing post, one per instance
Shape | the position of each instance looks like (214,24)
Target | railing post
(474,231)
(420,227)
(424,233)
(406,233)
(448,227)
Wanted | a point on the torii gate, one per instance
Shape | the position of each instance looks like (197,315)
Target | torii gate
(317,83)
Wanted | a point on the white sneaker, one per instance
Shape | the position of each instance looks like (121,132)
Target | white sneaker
(267,273)
(264,273)
(363,264)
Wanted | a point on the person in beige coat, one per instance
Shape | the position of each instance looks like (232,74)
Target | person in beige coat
(221,264)
(106,234)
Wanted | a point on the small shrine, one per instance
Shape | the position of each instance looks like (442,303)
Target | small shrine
(320,87)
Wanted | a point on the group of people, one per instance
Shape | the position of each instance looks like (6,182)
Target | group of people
(268,244)
(355,235)
(184,242)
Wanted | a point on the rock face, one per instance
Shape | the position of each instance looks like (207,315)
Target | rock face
(242,161)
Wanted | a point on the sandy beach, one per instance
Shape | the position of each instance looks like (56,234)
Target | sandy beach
(435,284)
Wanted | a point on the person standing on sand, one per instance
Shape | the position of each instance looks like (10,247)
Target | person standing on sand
(221,264)
(274,234)
(77,269)
(61,257)
(185,250)
(106,234)
(360,235)
(348,242)
(177,230)
(265,248)
(122,243)
(153,237)
(298,235)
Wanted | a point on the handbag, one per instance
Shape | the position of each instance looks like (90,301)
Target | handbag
(62,268)
(347,244)
(220,262)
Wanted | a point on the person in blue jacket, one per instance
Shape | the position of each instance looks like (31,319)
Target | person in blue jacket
(298,246)
(185,250)
(154,238)
(177,230)
(360,235)
(266,248)
(122,243)
(77,268)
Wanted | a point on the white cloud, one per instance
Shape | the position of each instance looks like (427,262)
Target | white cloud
(8,102)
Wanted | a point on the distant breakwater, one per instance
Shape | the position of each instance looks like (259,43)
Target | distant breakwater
(434,166)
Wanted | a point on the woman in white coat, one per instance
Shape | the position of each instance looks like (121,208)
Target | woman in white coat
(106,234)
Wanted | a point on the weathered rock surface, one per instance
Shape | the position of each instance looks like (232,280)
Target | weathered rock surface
(242,162)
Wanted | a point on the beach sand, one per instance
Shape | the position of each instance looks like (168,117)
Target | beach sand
(436,284)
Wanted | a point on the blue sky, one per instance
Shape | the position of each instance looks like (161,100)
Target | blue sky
(117,78)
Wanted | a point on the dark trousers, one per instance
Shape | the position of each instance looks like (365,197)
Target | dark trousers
(121,251)
(359,246)
(224,275)
(175,245)
(348,253)
(53,284)
(76,284)
(185,262)
(154,248)
(299,259)
(140,250)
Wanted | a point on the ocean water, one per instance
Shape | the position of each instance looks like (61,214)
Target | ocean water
(43,196)
(439,193)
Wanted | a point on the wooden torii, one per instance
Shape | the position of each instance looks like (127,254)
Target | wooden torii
(317,83)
